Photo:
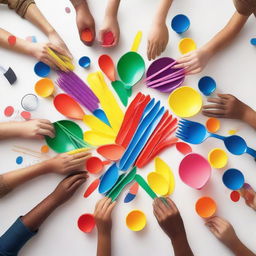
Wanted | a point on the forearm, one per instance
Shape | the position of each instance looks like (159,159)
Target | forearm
(240,249)
(181,246)
(162,11)
(78,3)
(104,244)
(112,8)
(250,117)
(39,214)
(34,15)
(227,34)
(21,46)
(15,178)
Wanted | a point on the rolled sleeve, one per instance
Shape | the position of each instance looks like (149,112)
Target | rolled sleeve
(15,238)
(20,6)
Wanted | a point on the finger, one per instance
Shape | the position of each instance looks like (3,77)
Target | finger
(106,205)
(213,230)
(218,112)
(162,206)
(45,121)
(101,33)
(172,204)
(214,106)
(156,207)
(196,71)
(47,127)
(216,100)
(110,209)
(46,132)
(149,49)
(158,215)
(49,63)
(77,184)
(98,205)
(73,178)
(224,96)
(81,155)
(57,49)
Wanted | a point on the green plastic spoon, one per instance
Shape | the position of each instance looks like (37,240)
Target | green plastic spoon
(145,186)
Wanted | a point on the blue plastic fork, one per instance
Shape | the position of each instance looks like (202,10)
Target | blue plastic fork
(196,133)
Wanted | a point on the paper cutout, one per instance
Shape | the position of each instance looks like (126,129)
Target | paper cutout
(95,165)
(67,10)
(218,158)
(207,85)
(12,40)
(29,102)
(8,111)
(136,220)
(187,45)
(44,87)
(41,69)
(84,62)
(185,101)
(183,148)
(206,207)
(112,152)
(26,115)
(233,179)
(19,160)
(235,196)
(86,223)
(44,149)
(180,23)
(212,124)
(108,39)
(87,36)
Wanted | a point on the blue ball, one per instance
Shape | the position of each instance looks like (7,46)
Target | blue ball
(41,69)
(180,23)
(207,85)
(84,62)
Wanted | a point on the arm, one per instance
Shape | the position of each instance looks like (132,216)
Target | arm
(25,227)
(84,20)
(194,62)
(159,35)
(224,231)
(228,106)
(170,221)
(62,164)
(102,214)
(110,23)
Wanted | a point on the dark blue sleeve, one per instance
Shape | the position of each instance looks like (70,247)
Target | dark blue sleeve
(14,238)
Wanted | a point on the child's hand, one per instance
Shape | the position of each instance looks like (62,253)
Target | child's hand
(110,24)
(39,51)
(169,218)
(102,214)
(36,129)
(84,20)
(226,106)
(193,62)
(65,163)
(67,187)
(249,196)
(157,40)
(61,47)
(223,230)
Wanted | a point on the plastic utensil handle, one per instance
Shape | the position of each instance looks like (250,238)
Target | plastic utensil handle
(160,71)
(136,42)
(145,186)
(251,152)
(214,135)
(166,82)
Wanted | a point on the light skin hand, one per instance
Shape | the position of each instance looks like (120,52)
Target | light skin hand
(228,106)
(63,192)
(225,232)
(102,213)
(194,62)
(169,219)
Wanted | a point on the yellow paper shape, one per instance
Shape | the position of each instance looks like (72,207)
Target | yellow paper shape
(107,100)
(97,125)
(164,169)
(98,139)
(136,42)
(158,183)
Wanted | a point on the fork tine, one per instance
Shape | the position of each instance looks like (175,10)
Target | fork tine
(181,137)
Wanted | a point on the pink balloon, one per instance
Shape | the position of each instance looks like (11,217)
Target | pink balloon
(195,170)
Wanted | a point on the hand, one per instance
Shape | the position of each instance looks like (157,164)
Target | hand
(67,187)
(65,163)
(169,219)
(249,196)
(102,214)
(223,230)
(84,20)
(36,129)
(226,106)
(110,24)
(194,62)
(39,51)
(56,40)
(157,40)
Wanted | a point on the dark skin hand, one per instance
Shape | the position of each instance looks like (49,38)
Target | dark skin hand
(228,106)
(102,213)
(63,192)
(225,232)
(169,219)
(249,196)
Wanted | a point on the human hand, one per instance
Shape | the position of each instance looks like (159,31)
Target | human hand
(249,196)
(194,61)
(68,186)
(56,40)
(65,163)
(157,40)
(40,52)
(102,215)
(223,230)
(226,106)
(169,219)
(35,129)
(85,20)
(110,24)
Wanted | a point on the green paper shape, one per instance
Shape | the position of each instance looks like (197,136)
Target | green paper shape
(122,93)
(145,186)
(62,142)
(122,183)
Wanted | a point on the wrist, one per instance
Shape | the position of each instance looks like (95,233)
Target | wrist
(248,114)
(104,234)
(48,166)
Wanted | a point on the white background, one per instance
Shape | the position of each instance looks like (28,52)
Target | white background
(234,71)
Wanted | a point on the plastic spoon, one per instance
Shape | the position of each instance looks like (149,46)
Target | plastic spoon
(112,152)
(95,165)
(93,186)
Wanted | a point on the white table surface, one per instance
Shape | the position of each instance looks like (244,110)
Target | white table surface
(234,71)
